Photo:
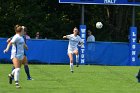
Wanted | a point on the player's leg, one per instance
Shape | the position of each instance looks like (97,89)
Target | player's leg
(12,71)
(138,76)
(11,76)
(12,56)
(26,68)
(77,57)
(71,61)
(17,65)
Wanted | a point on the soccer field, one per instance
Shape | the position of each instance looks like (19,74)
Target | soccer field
(85,79)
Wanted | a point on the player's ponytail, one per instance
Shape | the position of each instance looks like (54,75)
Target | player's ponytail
(18,29)
(16,26)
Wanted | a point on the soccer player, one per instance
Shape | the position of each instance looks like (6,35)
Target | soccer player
(17,54)
(138,76)
(74,40)
(25,60)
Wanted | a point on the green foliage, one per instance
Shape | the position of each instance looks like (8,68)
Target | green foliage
(55,20)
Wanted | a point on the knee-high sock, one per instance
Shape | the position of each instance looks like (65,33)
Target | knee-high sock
(16,75)
(27,71)
(13,72)
(71,66)
(77,58)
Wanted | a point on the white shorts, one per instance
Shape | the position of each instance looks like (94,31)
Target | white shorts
(71,50)
(18,56)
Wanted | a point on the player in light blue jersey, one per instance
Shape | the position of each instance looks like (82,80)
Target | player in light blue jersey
(17,54)
(25,60)
(74,40)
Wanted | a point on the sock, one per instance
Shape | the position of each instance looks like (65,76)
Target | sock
(16,82)
(16,75)
(71,66)
(13,72)
(27,71)
(77,59)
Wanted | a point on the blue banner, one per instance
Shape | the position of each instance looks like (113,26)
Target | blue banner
(104,2)
(83,47)
(55,52)
(133,45)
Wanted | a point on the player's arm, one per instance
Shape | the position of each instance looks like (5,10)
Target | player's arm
(81,42)
(9,39)
(25,46)
(64,37)
(7,48)
(67,36)
(12,41)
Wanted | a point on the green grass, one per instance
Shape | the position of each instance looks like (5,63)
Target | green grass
(85,79)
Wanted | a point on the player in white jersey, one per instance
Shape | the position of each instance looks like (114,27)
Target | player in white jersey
(25,60)
(74,40)
(17,54)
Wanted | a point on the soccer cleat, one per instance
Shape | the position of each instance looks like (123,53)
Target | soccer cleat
(72,71)
(10,78)
(18,86)
(30,78)
(77,65)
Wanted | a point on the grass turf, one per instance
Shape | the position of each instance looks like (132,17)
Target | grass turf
(85,79)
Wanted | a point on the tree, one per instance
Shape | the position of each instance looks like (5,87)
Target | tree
(54,19)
